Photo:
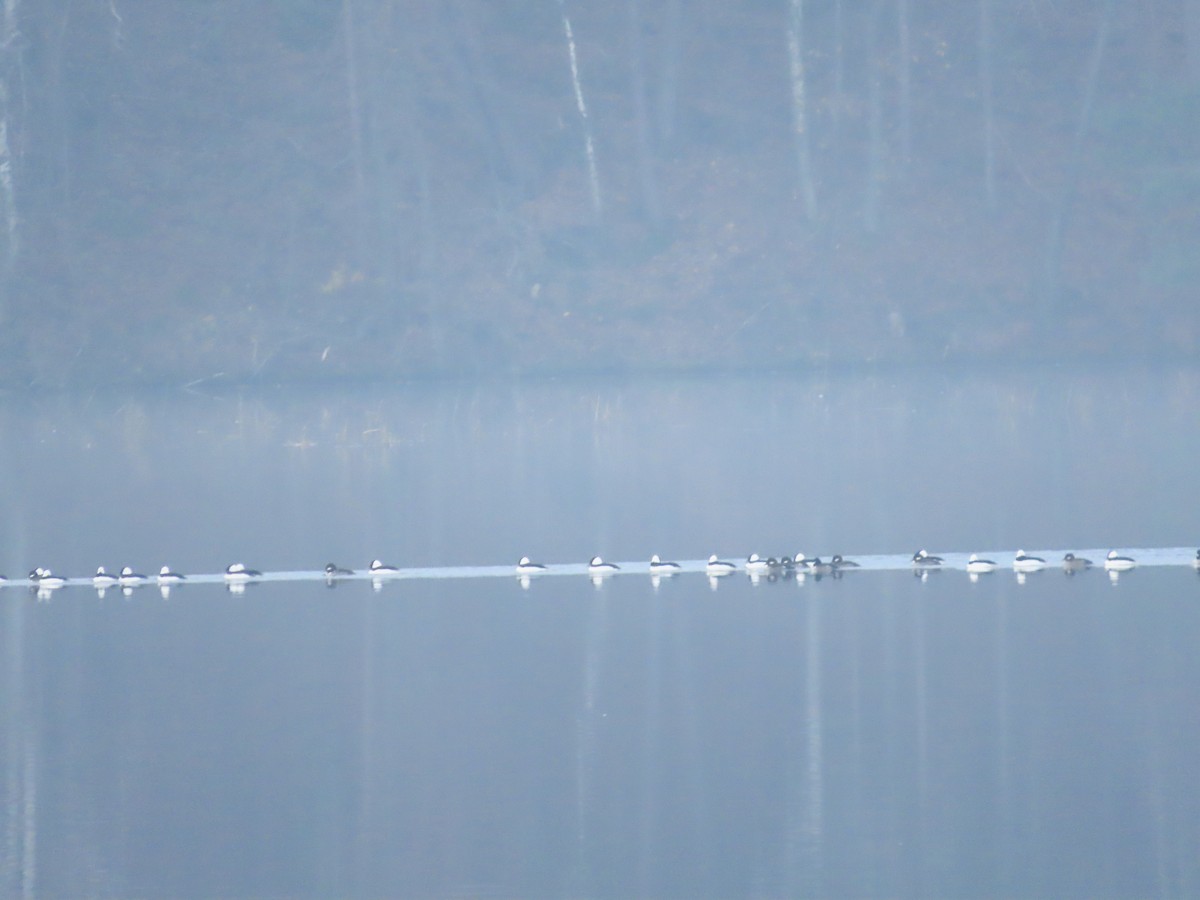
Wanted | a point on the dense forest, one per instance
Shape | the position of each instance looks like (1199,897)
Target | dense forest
(298,189)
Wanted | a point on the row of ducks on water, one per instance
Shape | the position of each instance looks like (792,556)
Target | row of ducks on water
(801,564)
(922,561)
(127,577)
(1025,562)
(235,573)
(753,564)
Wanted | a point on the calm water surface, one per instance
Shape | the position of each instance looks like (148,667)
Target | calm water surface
(871,735)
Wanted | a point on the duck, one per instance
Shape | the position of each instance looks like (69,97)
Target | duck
(756,564)
(130,578)
(1024,562)
(1196,560)
(840,562)
(1072,563)
(976,565)
(1115,562)
(332,570)
(921,558)
(716,566)
(526,566)
(238,572)
(103,578)
(816,566)
(44,578)
(378,567)
(597,566)
(167,576)
(662,567)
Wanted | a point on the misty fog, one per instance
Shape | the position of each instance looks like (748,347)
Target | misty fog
(295,285)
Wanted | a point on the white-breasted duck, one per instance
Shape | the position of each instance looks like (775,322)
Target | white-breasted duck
(716,566)
(976,565)
(526,566)
(1025,562)
(598,566)
(1116,562)
(662,567)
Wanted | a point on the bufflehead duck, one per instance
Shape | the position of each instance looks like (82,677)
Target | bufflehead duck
(800,561)
(528,567)
(817,567)
(166,576)
(103,578)
(1196,561)
(661,567)
(1023,562)
(977,566)
(755,563)
(1073,563)
(1115,562)
(380,568)
(839,562)
(332,570)
(921,558)
(716,566)
(129,578)
(44,578)
(599,567)
(238,572)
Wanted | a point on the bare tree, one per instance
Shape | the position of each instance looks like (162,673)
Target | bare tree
(354,105)
(986,85)
(839,66)
(645,150)
(669,75)
(1058,221)
(904,76)
(804,168)
(9,66)
(1191,25)
(874,120)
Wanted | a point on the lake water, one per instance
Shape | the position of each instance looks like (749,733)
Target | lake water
(873,735)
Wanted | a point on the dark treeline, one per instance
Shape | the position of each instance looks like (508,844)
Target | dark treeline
(305,188)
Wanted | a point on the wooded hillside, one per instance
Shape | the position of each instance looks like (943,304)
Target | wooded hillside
(308,189)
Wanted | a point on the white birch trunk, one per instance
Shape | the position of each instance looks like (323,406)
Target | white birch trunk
(581,106)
